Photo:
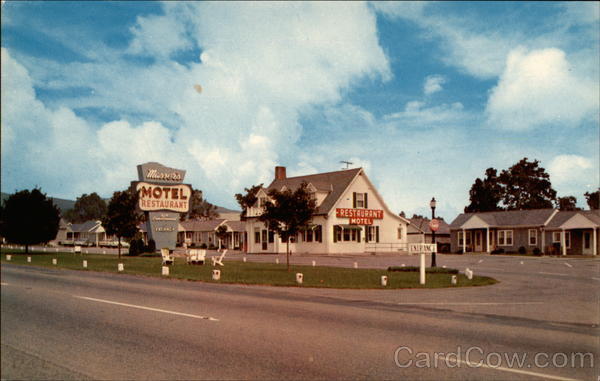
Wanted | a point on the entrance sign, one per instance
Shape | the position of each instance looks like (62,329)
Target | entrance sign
(416,248)
(434,225)
(162,196)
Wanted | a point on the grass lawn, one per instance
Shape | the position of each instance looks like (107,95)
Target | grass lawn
(246,273)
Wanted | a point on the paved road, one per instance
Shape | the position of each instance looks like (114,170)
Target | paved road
(73,325)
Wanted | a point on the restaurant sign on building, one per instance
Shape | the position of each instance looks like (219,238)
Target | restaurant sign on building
(162,196)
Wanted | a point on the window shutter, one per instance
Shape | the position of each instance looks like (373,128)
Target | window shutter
(335,233)
(358,235)
(366,206)
(376,233)
(354,199)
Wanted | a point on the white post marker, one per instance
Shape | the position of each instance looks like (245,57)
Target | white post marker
(165,270)
(103,251)
(44,249)
(56,250)
(28,259)
(120,267)
(453,279)
(384,280)
(422,269)
(277,260)
(314,263)
(84,264)
(299,278)
(216,274)
(244,259)
(469,273)
(355,265)
(444,266)
(403,265)
(54,261)
(8,257)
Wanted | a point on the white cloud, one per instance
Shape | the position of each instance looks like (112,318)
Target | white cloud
(540,88)
(568,168)
(261,64)
(433,84)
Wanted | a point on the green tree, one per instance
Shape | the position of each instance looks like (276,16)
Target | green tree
(287,213)
(526,185)
(485,195)
(567,203)
(199,208)
(593,199)
(122,216)
(247,200)
(28,218)
(87,207)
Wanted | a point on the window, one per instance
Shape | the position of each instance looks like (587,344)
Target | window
(359,200)
(262,201)
(460,239)
(400,232)
(505,237)
(318,234)
(256,236)
(345,235)
(556,238)
(532,237)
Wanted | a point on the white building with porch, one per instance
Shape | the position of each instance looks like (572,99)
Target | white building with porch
(548,231)
(351,217)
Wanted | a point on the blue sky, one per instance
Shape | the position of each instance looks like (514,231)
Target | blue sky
(424,96)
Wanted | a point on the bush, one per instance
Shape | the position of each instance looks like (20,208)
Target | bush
(151,248)
(444,248)
(136,247)
(498,251)
(203,246)
(459,251)
(522,250)
(212,247)
(537,251)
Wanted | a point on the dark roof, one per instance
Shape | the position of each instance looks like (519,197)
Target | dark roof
(335,183)
(423,225)
(236,226)
(201,225)
(563,216)
(85,226)
(533,217)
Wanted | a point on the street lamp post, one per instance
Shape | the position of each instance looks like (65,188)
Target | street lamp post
(432,205)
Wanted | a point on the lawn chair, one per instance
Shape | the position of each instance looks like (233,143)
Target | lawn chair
(196,257)
(219,260)
(167,258)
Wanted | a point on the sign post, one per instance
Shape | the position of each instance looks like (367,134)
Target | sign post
(162,196)
(421,249)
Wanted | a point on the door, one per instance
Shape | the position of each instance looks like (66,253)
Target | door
(264,240)
(478,241)
(587,243)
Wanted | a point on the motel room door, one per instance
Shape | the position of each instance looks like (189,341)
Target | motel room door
(587,244)
(478,241)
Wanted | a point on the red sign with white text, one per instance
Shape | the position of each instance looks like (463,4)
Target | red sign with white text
(359,216)
(434,225)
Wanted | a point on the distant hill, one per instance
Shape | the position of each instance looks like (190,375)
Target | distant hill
(65,205)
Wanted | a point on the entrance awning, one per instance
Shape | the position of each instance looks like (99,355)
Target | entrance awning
(351,227)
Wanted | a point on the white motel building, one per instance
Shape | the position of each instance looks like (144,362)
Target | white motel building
(351,217)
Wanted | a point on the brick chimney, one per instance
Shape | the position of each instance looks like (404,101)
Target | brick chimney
(280,173)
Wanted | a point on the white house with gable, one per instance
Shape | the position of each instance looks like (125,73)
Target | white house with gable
(351,217)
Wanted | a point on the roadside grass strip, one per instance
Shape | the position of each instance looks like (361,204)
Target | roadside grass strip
(252,273)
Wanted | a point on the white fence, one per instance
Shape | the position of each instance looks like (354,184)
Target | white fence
(382,247)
